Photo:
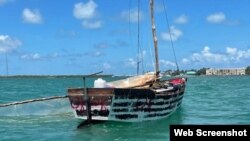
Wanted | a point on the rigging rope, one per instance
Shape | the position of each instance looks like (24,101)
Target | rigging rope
(170,35)
(141,51)
(139,47)
(138,37)
(129,21)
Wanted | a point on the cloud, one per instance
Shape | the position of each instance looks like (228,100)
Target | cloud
(8,44)
(91,24)
(54,55)
(101,45)
(31,16)
(33,56)
(166,63)
(185,61)
(115,32)
(98,53)
(216,18)
(243,54)
(233,22)
(63,33)
(70,54)
(231,51)
(130,63)
(175,34)
(106,65)
(37,56)
(142,54)
(231,55)
(116,44)
(85,10)
(207,56)
(132,15)
(87,13)
(183,19)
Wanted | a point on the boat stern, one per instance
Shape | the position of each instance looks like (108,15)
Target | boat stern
(100,101)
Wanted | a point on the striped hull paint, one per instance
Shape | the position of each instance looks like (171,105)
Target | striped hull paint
(128,105)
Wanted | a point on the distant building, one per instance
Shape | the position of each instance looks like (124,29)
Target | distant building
(228,71)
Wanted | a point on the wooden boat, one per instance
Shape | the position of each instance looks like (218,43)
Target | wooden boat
(139,98)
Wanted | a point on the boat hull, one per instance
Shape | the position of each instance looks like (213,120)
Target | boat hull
(126,104)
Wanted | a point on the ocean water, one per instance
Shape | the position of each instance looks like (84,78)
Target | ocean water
(207,100)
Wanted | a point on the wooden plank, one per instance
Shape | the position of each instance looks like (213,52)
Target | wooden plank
(100,91)
(91,91)
(75,91)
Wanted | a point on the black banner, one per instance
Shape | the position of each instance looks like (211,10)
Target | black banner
(213,132)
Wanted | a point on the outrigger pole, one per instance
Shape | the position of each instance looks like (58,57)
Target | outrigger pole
(32,100)
(50,98)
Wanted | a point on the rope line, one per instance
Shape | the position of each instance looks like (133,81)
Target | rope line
(170,35)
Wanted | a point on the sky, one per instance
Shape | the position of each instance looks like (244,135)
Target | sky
(74,37)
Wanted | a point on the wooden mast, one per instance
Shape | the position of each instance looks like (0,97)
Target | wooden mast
(154,38)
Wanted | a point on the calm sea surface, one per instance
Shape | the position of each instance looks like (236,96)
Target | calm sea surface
(207,100)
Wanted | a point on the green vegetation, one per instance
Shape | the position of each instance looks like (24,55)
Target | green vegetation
(202,71)
(248,70)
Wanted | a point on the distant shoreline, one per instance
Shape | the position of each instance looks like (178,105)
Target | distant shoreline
(51,76)
(95,76)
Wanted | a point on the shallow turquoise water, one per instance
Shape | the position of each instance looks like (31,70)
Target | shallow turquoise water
(208,100)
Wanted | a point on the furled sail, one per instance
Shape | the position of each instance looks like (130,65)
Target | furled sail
(136,81)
